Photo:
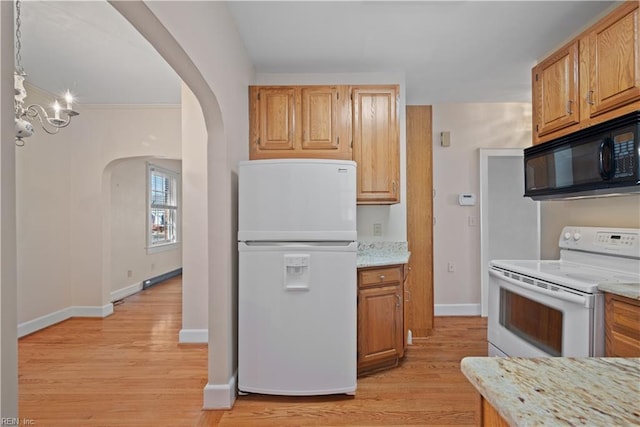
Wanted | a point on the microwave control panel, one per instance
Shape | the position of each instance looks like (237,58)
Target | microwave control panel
(624,155)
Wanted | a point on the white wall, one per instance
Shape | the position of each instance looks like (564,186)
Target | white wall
(64,188)
(130,261)
(43,183)
(623,212)
(392,217)
(102,134)
(455,171)
(200,41)
(8,287)
(195,285)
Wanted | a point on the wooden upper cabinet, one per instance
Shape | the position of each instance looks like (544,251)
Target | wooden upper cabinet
(319,118)
(614,60)
(299,122)
(592,79)
(275,119)
(555,83)
(376,144)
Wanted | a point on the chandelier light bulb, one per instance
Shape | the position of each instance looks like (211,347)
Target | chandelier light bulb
(68,99)
(56,109)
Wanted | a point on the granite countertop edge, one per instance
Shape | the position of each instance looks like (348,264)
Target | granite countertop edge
(628,290)
(380,254)
(382,260)
(527,392)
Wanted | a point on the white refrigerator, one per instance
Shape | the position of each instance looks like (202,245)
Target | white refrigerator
(297,277)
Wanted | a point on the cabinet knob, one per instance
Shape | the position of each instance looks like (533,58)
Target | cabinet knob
(589,100)
(569,104)
(381,277)
(398,300)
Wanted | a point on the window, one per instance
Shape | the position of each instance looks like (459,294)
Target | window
(163,206)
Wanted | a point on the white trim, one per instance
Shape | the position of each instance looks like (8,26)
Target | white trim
(92,311)
(220,396)
(163,247)
(193,336)
(31,326)
(456,310)
(34,325)
(126,291)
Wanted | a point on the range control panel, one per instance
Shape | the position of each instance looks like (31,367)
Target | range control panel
(618,241)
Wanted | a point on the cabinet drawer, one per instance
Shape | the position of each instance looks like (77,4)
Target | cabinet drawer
(379,276)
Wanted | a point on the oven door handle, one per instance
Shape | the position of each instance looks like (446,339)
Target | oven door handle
(566,296)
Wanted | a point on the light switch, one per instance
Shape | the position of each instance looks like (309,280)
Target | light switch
(445,139)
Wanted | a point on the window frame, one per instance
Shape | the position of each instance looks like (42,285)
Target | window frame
(174,180)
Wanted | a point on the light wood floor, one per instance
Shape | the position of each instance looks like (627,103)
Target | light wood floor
(129,370)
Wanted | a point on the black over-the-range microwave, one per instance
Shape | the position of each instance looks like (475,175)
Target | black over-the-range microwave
(603,159)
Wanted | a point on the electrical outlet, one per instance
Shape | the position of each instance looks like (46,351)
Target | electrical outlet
(473,221)
(377,229)
(450,267)
(129,273)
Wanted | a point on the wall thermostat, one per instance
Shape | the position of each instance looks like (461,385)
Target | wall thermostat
(466,199)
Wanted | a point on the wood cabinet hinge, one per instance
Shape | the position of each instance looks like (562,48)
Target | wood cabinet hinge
(536,76)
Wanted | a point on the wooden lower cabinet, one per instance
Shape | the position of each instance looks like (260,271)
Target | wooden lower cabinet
(489,416)
(381,338)
(622,326)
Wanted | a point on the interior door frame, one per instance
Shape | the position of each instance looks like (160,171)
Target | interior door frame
(485,154)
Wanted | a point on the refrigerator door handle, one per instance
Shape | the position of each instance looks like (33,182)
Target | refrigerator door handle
(297,288)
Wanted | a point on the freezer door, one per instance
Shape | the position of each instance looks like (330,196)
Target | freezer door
(297,319)
(297,200)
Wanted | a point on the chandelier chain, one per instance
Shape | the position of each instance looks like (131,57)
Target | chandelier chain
(19,67)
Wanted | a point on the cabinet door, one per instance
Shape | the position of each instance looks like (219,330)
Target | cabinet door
(319,118)
(614,60)
(555,91)
(622,326)
(376,143)
(379,324)
(274,118)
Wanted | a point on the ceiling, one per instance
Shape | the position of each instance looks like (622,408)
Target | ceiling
(450,51)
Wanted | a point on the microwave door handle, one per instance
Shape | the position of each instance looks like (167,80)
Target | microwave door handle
(605,158)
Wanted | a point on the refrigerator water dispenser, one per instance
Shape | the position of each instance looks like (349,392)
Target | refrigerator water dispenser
(296,272)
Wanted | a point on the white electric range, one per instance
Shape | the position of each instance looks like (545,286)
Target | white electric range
(553,307)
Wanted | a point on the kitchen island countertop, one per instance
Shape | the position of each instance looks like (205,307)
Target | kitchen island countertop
(594,391)
(379,254)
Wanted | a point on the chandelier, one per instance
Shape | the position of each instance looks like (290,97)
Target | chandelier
(24,116)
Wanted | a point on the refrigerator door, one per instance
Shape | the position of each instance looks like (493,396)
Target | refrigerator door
(297,200)
(297,318)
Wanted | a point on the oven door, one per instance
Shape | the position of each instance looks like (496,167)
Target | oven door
(528,320)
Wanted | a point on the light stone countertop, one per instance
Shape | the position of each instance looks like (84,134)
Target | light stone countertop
(379,254)
(629,290)
(559,391)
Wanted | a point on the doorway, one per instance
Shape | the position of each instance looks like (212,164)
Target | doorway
(510,222)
